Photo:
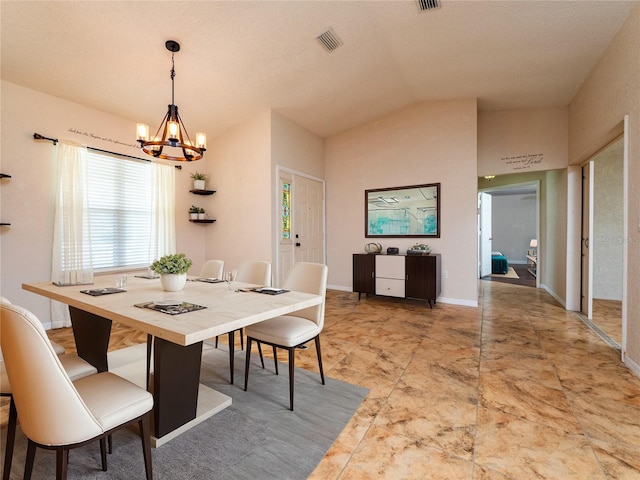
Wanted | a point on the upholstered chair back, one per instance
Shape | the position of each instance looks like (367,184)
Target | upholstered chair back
(50,410)
(212,269)
(309,278)
(253,271)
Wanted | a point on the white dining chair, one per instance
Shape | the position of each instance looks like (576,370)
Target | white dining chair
(75,367)
(56,413)
(212,269)
(292,331)
(256,272)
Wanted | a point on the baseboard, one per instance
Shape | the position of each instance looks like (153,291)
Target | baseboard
(554,295)
(633,366)
(457,301)
(452,301)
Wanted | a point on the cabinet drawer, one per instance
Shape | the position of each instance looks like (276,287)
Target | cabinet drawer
(390,287)
(389,266)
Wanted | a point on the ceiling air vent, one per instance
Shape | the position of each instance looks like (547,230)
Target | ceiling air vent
(329,40)
(428,4)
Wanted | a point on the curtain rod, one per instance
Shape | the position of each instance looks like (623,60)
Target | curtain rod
(37,136)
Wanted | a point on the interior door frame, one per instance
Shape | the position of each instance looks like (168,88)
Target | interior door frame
(586,253)
(541,243)
(484,230)
(625,221)
(285,172)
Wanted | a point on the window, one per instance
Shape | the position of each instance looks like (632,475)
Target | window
(120,203)
(285,189)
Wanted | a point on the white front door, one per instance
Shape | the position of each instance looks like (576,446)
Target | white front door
(308,220)
(301,218)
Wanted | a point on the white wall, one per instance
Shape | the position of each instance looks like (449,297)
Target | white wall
(595,114)
(608,227)
(513,225)
(425,143)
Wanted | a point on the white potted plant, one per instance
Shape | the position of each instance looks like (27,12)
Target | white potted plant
(193,212)
(173,270)
(199,180)
(201,213)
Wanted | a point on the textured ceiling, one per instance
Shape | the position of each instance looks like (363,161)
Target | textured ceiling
(239,58)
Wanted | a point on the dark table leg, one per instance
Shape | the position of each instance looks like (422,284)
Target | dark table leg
(91,333)
(176,379)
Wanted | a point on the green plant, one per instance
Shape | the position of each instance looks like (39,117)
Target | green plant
(194,209)
(198,176)
(201,210)
(176,263)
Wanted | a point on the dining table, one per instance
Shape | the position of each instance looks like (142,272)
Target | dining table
(178,322)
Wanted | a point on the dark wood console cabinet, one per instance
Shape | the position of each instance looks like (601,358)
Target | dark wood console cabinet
(364,274)
(406,276)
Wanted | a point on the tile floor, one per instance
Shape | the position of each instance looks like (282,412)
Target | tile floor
(516,389)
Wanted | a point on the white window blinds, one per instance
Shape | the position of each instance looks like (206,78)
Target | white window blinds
(120,211)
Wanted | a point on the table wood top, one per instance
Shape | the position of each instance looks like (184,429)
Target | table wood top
(226,310)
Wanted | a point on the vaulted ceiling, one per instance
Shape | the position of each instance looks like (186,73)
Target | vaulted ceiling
(241,57)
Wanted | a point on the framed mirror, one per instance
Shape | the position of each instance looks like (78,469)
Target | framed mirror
(412,211)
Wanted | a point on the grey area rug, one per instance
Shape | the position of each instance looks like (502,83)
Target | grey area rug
(257,437)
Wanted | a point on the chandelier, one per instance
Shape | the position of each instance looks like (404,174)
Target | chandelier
(171,141)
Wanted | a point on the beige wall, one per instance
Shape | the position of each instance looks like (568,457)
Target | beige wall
(595,116)
(554,234)
(28,197)
(425,143)
(519,141)
(239,169)
(241,165)
(296,148)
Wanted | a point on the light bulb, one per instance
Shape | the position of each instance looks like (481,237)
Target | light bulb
(143,132)
(201,140)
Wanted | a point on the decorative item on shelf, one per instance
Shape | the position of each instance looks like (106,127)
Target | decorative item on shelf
(419,249)
(193,212)
(172,137)
(201,213)
(373,248)
(173,270)
(393,251)
(199,180)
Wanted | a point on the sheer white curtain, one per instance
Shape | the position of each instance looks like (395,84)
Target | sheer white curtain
(163,225)
(71,256)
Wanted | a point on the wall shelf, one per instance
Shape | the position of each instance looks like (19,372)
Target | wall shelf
(206,220)
(202,192)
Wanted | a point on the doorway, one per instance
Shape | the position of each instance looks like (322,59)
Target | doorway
(603,240)
(508,232)
(301,219)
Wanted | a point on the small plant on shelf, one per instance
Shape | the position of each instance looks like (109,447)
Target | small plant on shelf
(201,213)
(193,212)
(198,180)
